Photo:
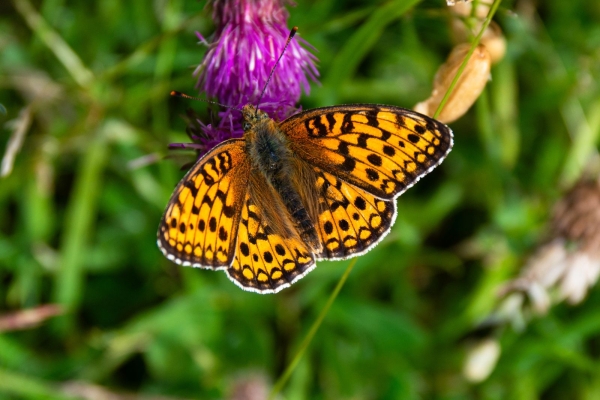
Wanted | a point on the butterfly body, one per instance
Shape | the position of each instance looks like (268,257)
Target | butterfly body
(320,185)
(269,151)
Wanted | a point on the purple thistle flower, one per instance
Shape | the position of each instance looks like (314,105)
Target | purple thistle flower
(250,36)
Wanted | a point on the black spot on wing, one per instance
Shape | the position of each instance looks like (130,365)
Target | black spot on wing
(279,249)
(420,129)
(208,179)
(330,120)
(244,249)
(372,117)
(328,226)
(372,174)
(400,120)
(349,164)
(223,235)
(389,151)
(228,211)
(430,125)
(362,140)
(374,159)
(318,129)
(360,203)
(344,225)
(268,257)
(343,148)
(347,124)
(385,135)
(413,138)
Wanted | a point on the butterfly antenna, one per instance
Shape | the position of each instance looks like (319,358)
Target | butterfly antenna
(287,43)
(175,93)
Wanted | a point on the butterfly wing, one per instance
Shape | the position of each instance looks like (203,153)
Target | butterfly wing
(200,225)
(268,257)
(383,150)
(351,221)
(364,156)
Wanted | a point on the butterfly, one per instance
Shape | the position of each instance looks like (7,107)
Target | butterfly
(320,185)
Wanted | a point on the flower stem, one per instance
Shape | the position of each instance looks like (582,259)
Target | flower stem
(311,333)
(475,43)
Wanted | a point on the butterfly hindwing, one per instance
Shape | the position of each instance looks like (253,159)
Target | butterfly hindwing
(351,221)
(381,149)
(267,260)
(199,227)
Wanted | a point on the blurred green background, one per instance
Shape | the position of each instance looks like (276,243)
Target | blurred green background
(87,83)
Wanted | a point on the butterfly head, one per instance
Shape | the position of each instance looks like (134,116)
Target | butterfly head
(252,116)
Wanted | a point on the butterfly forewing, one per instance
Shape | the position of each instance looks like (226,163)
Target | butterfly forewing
(200,224)
(381,149)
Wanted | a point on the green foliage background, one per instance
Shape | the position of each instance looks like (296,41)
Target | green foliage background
(78,224)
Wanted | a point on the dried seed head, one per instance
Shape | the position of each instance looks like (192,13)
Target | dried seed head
(494,42)
(468,22)
(493,38)
(581,273)
(577,217)
(569,264)
(468,88)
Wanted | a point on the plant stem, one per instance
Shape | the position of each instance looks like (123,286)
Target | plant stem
(311,333)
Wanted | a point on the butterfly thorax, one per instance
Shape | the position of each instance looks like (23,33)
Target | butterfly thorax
(266,145)
(269,151)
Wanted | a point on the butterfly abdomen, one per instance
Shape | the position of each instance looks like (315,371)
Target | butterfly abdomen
(299,214)
(270,153)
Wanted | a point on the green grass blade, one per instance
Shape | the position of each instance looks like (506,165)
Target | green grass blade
(311,333)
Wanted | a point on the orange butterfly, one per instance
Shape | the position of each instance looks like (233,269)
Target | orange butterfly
(318,186)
